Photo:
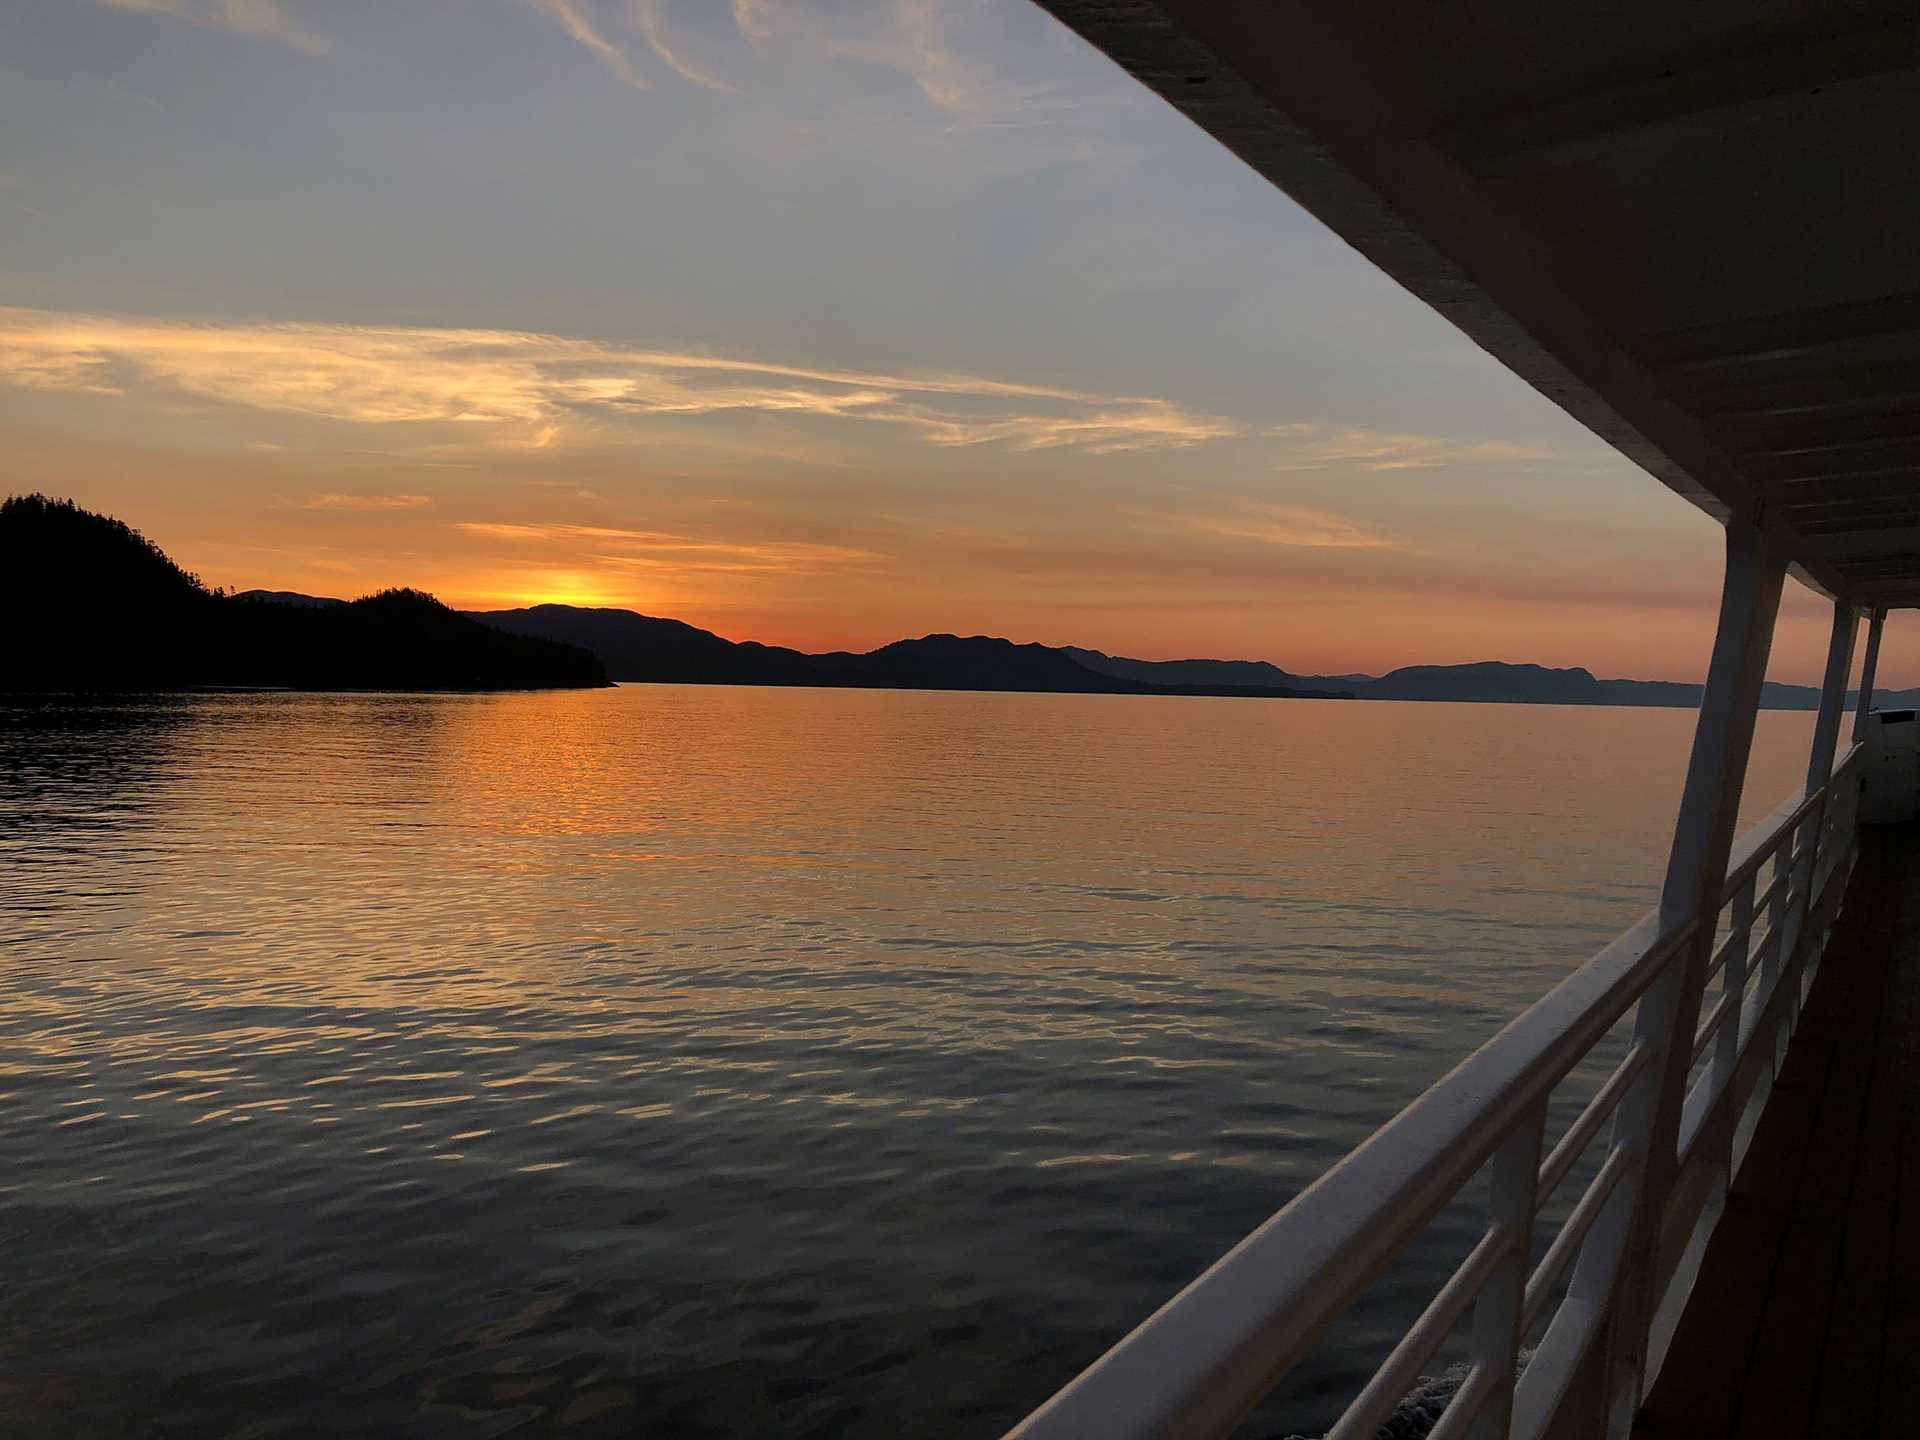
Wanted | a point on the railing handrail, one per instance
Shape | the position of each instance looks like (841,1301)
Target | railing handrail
(1197,1365)
(1755,845)
(1754,848)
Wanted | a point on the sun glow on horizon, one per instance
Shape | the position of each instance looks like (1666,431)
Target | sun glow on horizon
(553,588)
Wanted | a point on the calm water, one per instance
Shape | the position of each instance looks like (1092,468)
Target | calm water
(681,1061)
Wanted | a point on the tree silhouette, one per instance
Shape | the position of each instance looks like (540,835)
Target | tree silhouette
(95,605)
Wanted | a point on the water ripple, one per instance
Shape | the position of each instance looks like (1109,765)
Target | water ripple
(720,1062)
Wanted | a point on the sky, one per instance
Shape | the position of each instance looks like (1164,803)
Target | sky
(817,322)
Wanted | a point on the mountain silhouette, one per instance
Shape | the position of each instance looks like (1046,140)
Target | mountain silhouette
(645,647)
(1479,681)
(649,648)
(641,647)
(288,597)
(95,605)
(92,604)
(1229,674)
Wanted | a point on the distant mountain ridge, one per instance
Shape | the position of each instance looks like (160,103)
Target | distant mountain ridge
(640,647)
(649,648)
(288,597)
(109,610)
(1231,674)
(1497,682)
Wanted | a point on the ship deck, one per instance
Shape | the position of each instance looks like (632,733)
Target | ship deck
(1805,1320)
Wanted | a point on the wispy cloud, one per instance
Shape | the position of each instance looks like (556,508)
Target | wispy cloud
(1310,446)
(1134,425)
(669,552)
(907,35)
(647,19)
(263,19)
(1289,526)
(607,38)
(33,365)
(927,41)
(574,21)
(514,388)
(336,501)
(922,39)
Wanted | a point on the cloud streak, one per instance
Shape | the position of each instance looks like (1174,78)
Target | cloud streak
(519,389)
(1287,526)
(1311,446)
(646,18)
(643,19)
(923,40)
(332,500)
(583,31)
(669,552)
(261,19)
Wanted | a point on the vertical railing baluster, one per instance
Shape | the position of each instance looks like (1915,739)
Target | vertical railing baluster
(1733,980)
(1786,865)
(1497,1337)
(1777,914)
(1799,893)
(1807,933)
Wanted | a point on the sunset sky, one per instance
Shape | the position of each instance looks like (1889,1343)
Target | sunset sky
(819,322)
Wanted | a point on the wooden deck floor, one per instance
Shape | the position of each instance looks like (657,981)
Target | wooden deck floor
(1805,1321)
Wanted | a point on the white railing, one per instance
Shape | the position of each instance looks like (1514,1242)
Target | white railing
(1201,1363)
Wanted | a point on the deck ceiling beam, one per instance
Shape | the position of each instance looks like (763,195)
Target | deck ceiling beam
(1872,460)
(1894,565)
(1695,100)
(1819,533)
(1820,435)
(1857,493)
(1856,330)
(1877,389)
(1900,596)
(1836,544)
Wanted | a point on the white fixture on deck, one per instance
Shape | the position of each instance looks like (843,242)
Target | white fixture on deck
(1698,232)
(1890,774)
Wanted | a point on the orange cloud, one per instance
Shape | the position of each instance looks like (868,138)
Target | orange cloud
(1311,446)
(334,501)
(1293,526)
(675,553)
(521,389)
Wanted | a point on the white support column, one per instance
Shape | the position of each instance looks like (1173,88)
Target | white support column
(1723,733)
(1808,833)
(1833,694)
(1868,669)
(1696,874)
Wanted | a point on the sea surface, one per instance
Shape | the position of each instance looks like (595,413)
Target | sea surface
(679,1061)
